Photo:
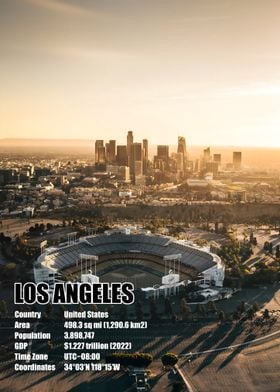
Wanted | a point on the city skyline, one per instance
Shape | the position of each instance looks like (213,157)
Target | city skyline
(84,69)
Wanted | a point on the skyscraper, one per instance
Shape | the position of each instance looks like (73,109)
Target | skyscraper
(182,149)
(137,159)
(206,155)
(101,154)
(237,160)
(217,158)
(111,151)
(182,146)
(129,144)
(122,155)
(163,152)
(161,160)
(99,146)
(145,155)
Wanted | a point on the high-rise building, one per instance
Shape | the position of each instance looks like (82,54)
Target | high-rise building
(111,151)
(217,158)
(122,155)
(205,159)
(237,159)
(182,149)
(212,167)
(129,143)
(197,165)
(163,152)
(124,173)
(99,145)
(101,152)
(145,156)
(107,151)
(161,160)
(137,159)
(138,168)
(179,162)
(145,148)
(182,146)
(206,155)
(137,153)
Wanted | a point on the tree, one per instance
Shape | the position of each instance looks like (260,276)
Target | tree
(10,270)
(216,227)
(49,226)
(3,308)
(123,313)
(222,316)
(60,311)
(169,359)
(153,309)
(277,251)
(178,386)
(211,307)
(185,310)
(255,307)
(167,306)
(200,310)
(251,313)
(174,318)
(236,315)
(266,314)
(266,246)
(241,307)
(251,237)
(109,309)
(136,360)
(139,310)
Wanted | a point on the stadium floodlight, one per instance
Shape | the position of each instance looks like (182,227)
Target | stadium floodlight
(72,238)
(91,231)
(172,263)
(43,245)
(87,262)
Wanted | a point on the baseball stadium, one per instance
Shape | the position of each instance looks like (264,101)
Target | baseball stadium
(152,262)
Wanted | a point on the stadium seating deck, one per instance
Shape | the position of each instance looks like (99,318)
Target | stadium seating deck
(121,243)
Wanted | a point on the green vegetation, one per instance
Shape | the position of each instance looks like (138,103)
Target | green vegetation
(234,254)
(169,359)
(136,360)
(139,311)
(153,310)
(185,310)
(222,316)
(3,308)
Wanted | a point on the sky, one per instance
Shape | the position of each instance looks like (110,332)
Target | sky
(208,70)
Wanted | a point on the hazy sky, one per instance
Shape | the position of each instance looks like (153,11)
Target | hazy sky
(205,69)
